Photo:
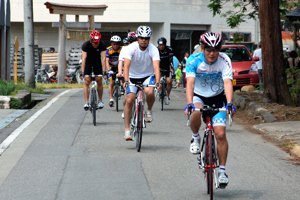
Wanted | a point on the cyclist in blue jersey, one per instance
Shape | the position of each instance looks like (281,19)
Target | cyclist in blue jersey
(209,82)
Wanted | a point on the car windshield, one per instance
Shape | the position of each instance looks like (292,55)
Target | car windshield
(237,54)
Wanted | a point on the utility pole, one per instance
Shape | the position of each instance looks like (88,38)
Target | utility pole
(28,44)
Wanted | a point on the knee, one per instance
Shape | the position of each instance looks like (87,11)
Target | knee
(221,136)
(129,101)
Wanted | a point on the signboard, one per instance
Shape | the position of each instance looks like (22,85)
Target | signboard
(78,35)
(183,36)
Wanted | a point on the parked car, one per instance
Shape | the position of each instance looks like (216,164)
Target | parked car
(244,69)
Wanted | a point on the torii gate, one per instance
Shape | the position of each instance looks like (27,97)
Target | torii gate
(67,9)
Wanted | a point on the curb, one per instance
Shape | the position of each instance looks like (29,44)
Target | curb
(255,110)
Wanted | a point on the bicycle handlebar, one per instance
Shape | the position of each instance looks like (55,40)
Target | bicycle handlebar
(210,109)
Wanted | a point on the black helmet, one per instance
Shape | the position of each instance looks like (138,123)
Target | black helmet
(162,40)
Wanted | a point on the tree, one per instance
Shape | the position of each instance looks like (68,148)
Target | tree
(275,81)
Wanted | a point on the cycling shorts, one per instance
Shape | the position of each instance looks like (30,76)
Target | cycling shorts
(89,68)
(219,118)
(112,77)
(150,80)
(166,72)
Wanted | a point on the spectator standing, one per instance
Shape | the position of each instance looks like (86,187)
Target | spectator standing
(257,53)
(178,76)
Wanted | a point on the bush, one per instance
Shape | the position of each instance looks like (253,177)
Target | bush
(6,88)
(15,103)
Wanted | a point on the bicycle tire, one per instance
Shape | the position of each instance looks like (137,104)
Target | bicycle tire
(162,97)
(93,105)
(132,122)
(116,95)
(139,127)
(210,175)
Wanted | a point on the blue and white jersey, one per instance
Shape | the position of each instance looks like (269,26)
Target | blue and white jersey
(209,78)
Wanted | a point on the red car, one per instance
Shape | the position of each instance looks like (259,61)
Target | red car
(244,69)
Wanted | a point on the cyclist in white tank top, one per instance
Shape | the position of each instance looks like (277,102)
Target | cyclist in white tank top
(141,61)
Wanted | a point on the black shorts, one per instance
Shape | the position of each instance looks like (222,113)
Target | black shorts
(90,68)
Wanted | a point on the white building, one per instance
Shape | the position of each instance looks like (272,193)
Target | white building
(181,22)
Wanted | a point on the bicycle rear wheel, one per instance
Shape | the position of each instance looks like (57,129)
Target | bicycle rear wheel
(210,169)
(162,96)
(139,126)
(94,105)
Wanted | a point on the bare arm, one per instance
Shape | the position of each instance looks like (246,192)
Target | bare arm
(103,56)
(156,70)
(83,58)
(127,63)
(107,63)
(120,66)
(229,92)
(190,84)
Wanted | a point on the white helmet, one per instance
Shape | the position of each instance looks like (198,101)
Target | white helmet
(144,31)
(115,38)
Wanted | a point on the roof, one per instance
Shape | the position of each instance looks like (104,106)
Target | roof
(294,15)
(58,8)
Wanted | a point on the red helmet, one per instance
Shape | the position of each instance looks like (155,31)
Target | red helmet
(95,36)
(131,37)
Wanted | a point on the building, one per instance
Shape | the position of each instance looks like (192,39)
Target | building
(180,22)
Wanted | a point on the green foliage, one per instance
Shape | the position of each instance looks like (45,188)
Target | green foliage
(246,9)
(15,103)
(294,84)
(6,88)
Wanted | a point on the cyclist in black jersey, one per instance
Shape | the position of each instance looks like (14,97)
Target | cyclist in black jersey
(166,56)
(93,51)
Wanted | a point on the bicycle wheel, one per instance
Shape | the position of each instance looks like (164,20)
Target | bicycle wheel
(116,95)
(139,126)
(93,105)
(132,124)
(162,96)
(210,171)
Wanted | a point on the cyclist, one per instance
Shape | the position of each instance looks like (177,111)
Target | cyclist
(112,57)
(209,74)
(125,42)
(92,52)
(166,56)
(131,38)
(140,63)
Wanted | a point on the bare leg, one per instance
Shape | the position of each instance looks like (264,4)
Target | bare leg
(99,87)
(86,88)
(130,97)
(222,143)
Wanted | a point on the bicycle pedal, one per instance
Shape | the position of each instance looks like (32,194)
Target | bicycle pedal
(222,186)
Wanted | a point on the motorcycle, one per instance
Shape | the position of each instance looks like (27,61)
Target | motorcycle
(45,76)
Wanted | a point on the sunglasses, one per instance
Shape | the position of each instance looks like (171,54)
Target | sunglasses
(209,50)
(95,42)
(115,44)
(144,38)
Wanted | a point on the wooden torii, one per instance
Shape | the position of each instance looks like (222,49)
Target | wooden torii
(67,9)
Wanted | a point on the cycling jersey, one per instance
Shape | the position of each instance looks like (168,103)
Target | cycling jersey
(93,58)
(141,61)
(165,56)
(121,56)
(209,78)
(113,56)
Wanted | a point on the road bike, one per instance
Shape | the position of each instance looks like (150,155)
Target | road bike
(138,119)
(117,92)
(208,159)
(93,96)
(163,91)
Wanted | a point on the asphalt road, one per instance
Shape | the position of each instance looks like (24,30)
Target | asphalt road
(61,155)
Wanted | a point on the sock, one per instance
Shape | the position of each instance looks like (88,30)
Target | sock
(196,137)
(221,168)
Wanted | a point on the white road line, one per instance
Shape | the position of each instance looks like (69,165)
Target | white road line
(5,144)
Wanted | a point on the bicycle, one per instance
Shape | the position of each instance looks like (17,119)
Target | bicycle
(93,97)
(208,159)
(117,92)
(138,118)
(163,91)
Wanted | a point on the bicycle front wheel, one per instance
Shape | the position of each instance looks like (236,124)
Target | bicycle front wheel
(162,94)
(94,105)
(116,96)
(210,166)
(139,126)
